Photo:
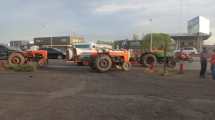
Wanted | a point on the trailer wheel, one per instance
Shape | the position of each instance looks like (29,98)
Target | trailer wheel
(103,63)
(149,59)
(16,59)
(126,66)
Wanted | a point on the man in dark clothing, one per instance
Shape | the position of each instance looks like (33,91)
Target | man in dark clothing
(204,62)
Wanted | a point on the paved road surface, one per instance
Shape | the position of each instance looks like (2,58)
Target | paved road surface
(65,92)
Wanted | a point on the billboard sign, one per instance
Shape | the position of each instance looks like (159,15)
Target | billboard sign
(199,25)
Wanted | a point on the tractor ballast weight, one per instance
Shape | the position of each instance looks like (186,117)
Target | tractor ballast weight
(105,60)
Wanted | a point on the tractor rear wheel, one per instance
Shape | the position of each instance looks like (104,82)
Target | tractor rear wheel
(103,63)
(149,59)
(126,66)
(16,59)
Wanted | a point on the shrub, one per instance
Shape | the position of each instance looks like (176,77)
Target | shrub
(23,68)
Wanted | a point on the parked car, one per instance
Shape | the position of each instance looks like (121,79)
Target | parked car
(5,51)
(54,53)
(187,50)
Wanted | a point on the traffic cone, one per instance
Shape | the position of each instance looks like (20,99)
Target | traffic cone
(151,68)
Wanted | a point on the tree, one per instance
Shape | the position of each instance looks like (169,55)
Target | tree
(158,41)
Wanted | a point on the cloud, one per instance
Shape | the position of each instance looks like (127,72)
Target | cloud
(114,8)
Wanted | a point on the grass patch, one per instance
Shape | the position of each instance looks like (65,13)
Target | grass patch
(23,68)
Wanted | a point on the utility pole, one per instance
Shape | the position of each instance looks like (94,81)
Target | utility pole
(165,58)
(151,37)
(51,41)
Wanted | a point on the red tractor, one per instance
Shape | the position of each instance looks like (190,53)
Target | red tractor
(15,56)
(25,57)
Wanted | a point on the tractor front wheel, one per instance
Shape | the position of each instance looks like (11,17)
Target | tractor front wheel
(16,59)
(126,66)
(103,63)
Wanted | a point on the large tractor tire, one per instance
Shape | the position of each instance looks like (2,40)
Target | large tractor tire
(103,63)
(126,66)
(149,59)
(16,59)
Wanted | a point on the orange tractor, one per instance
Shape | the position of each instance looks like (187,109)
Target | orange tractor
(17,57)
(25,57)
(104,60)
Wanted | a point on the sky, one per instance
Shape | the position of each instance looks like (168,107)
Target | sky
(99,19)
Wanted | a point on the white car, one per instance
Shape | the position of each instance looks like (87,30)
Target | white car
(188,50)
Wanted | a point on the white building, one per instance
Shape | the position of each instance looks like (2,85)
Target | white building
(199,25)
(198,30)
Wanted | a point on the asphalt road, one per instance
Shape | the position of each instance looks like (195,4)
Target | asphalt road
(62,91)
(195,65)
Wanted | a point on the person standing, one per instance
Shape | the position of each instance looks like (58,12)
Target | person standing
(181,56)
(204,62)
(213,64)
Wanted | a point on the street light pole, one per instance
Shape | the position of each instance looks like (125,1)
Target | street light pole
(51,41)
(151,38)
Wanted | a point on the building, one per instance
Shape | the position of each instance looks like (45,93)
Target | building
(22,44)
(210,48)
(61,42)
(190,40)
(198,30)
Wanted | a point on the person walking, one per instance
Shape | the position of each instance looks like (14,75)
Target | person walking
(204,62)
(212,61)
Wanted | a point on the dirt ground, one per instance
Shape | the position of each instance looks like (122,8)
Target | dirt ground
(65,92)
